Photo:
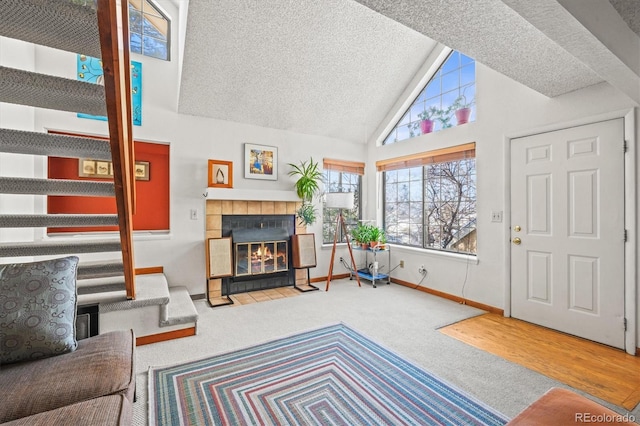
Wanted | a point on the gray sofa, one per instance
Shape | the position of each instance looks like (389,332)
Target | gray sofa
(47,376)
(93,385)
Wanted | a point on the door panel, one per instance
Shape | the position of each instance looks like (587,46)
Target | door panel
(567,195)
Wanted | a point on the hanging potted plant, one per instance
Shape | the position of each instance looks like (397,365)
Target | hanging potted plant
(307,187)
(462,109)
(427,118)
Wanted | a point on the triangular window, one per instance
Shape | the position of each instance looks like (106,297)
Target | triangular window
(451,89)
(150,29)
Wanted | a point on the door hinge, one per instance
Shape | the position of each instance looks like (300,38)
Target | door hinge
(625,235)
(625,324)
(625,147)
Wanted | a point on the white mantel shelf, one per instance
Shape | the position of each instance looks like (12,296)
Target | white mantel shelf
(250,194)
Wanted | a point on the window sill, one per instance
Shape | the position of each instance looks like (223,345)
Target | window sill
(329,246)
(466,258)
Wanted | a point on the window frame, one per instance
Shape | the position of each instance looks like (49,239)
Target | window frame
(160,14)
(341,167)
(421,89)
(423,161)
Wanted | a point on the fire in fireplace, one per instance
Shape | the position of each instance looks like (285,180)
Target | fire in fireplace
(261,257)
(260,251)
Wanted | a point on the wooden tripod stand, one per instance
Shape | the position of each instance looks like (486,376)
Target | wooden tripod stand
(340,223)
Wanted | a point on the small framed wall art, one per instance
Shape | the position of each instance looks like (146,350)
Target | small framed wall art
(260,162)
(104,169)
(142,170)
(220,174)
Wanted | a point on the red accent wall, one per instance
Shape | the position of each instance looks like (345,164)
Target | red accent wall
(152,196)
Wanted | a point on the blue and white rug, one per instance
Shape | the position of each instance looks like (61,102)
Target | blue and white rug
(329,376)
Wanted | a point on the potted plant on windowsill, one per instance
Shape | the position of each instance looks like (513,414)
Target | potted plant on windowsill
(307,187)
(375,234)
(462,109)
(427,118)
(362,235)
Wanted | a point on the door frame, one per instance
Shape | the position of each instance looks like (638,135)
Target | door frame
(631,294)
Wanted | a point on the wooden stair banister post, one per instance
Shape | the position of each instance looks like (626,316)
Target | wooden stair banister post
(113,23)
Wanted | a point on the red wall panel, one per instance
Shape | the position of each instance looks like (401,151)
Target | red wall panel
(152,196)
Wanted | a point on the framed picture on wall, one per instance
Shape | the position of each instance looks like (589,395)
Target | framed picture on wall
(260,162)
(220,174)
(142,170)
(104,169)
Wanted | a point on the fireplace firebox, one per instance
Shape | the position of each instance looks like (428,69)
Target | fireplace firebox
(261,252)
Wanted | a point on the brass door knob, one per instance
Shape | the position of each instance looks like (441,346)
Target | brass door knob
(516,241)
(517,228)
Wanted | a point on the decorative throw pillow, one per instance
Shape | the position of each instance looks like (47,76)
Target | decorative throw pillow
(37,309)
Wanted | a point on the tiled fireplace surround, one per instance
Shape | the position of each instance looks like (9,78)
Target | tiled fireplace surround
(216,208)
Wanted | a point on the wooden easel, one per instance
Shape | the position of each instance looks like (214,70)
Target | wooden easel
(339,223)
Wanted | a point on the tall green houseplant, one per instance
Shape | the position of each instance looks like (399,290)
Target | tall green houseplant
(307,186)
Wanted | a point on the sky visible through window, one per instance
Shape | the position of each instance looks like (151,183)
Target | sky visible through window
(452,87)
(149,30)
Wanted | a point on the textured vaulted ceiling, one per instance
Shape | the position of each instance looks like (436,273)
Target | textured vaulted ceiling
(336,67)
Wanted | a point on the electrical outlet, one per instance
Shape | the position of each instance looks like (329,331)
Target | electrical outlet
(342,259)
(496,216)
(422,270)
(402,263)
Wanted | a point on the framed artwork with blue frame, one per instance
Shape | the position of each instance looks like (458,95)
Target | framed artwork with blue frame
(89,69)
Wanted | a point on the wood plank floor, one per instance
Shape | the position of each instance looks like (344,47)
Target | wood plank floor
(604,372)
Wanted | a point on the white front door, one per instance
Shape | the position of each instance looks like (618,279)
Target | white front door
(567,231)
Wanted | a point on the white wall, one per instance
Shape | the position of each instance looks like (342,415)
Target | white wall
(505,109)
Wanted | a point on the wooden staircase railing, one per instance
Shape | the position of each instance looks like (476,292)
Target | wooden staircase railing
(113,24)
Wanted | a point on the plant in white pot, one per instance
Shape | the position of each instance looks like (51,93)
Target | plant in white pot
(307,187)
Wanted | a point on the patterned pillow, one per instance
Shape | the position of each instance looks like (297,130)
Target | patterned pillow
(37,309)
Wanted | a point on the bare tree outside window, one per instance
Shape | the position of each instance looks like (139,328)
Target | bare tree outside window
(432,206)
(451,207)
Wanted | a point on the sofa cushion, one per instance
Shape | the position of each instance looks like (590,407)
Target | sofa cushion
(106,411)
(38,301)
(102,365)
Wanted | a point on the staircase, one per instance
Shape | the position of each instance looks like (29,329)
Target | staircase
(124,300)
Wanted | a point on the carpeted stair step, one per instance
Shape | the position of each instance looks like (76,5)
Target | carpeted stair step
(89,270)
(180,309)
(62,24)
(100,285)
(47,91)
(102,298)
(151,290)
(57,220)
(57,248)
(12,185)
(38,143)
